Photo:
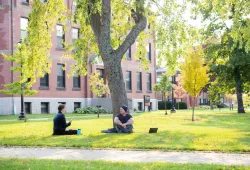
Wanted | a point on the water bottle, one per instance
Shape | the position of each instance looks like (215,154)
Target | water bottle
(79,132)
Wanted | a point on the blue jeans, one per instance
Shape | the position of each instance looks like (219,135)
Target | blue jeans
(120,129)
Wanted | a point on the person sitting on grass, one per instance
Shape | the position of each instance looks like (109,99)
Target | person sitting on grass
(60,124)
(123,121)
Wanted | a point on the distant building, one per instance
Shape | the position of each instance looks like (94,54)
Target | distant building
(56,87)
(201,100)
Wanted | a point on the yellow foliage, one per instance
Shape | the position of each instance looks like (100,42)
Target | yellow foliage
(97,85)
(194,73)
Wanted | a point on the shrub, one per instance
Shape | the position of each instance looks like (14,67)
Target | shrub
(221,105)
(92,110)
(161,105)
(182,105)
(207,107)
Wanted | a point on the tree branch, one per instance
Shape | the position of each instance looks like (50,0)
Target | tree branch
(95,19)
(141,23)
(105,21)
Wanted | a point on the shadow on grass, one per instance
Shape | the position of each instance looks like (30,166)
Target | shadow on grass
(225,120)
(162,140)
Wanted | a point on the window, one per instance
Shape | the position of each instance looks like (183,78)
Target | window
(60,76)
(101,73)
(139,81)
(73,6)
(75,34)
(44,107)
(205,101)
(101,76)
(60,37)
(200,101)
(149,83)
(25,1)
(140,106)
(149,52)
(24,25)
(27,107)
(77,105)
(128,81)
(76,81)
(44,81)
(128,54)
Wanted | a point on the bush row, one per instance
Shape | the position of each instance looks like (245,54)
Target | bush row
(180,105)
(92,110)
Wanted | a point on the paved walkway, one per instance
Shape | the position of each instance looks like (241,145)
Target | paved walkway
(129,156)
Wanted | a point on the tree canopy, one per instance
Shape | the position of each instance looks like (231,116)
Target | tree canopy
(226,35)
(107,30)
(194,73)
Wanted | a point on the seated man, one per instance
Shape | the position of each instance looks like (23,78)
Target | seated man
(60,124)
(123,121)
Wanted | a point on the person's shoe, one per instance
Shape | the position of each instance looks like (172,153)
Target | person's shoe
(124,130)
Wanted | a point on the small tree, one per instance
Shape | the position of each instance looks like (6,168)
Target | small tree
(194,74)
(179,91)
(163,87)
(23,85)
(97,86)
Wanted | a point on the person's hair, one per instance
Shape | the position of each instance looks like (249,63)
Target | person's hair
(61,107)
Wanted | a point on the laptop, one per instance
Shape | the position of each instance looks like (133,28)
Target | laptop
(153,130)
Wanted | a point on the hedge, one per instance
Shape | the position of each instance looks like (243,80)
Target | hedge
(92,110)
(182,105)
(161,105)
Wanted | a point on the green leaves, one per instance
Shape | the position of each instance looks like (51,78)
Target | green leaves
(97,85)
(32,57)
(164,86)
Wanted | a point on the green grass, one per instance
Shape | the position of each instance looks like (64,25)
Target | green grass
(33,164)
(212,131)
(49,116)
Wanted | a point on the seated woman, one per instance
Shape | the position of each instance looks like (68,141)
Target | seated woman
(60,124)
(123,121)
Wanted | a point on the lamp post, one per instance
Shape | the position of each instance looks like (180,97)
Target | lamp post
(22,114)
(173,107)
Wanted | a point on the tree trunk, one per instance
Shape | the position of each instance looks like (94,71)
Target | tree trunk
(116,85)
(193,109)
(100,24)
(166,112)
(211,106)
(239,92)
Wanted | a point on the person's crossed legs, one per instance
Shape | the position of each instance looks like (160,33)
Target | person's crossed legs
(120,129)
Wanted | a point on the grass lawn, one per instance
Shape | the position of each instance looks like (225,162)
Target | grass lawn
(50,116)
(212,131)
(33,164)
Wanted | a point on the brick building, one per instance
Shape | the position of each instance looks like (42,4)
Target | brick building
(201,100)
(56,87)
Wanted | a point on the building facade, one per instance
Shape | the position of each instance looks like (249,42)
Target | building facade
(57,87)
(201,100)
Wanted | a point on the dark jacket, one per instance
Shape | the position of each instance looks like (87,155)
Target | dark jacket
(60,122)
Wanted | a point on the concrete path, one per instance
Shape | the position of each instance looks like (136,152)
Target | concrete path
(128,156)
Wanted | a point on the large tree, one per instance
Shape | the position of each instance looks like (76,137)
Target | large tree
(226,28)
(107,30)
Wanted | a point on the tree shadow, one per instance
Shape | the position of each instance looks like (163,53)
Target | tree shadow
(225,120)
(163,140)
